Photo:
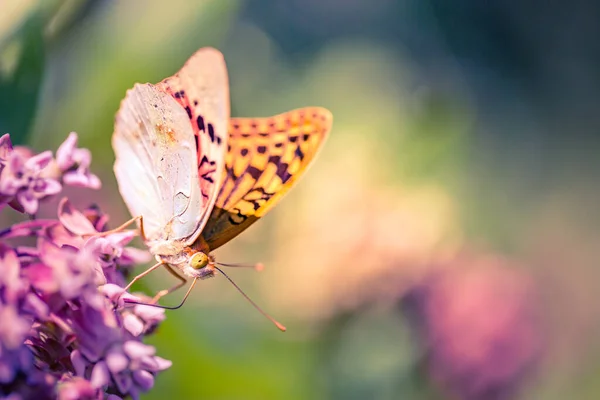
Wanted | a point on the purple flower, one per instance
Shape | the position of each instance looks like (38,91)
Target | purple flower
(130,366)
(74,163)
(78,388)
(14,328)
(142,319)
(22,179)
(110,250)
(12,286)
(14,356)
(65,331)
(479,322)
(25,178)
(5,146)
(72,271)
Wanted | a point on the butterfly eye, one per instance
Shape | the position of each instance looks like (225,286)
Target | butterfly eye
(199,260)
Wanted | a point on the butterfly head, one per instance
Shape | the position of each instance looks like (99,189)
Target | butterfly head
(200,265)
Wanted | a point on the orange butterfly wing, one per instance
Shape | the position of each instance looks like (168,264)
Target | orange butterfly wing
(265,157)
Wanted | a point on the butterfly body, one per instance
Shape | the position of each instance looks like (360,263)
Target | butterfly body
(196,177)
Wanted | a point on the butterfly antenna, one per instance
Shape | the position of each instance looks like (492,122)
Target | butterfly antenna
(277,324)
(258,266)
(165,307)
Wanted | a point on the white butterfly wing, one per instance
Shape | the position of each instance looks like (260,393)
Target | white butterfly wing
(156,166)
(201,87)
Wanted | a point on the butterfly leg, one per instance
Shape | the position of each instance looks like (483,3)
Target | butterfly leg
(140,276)
(122,227)
(166,307)
(142,234)
(165,292)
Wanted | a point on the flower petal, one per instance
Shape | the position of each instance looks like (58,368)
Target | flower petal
(7,372)
(27,201)
(73,220)
(41,277)
(50,187)
(100,375)
(143,379)
(132,255)
(76,389)
(64,157)
(133,324)
(123,382)
(79,362)
(156,363)
(10,268)
(39,161)
(116,361)
(148,313)
(5,146)
(36,306)
(135,349)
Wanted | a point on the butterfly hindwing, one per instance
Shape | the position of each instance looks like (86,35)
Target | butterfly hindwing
(265,157)
(155,157)
(201,87)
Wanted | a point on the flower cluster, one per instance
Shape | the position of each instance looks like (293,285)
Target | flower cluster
(480,324)
(27,178)
(63,332)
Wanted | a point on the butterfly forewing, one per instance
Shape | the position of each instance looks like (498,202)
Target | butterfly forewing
(265,157)
(201,87)
(187,168)
(155,164)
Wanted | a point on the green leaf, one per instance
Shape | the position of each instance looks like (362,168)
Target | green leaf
(20,88)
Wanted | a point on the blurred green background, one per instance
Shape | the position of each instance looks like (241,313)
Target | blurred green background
(445,244)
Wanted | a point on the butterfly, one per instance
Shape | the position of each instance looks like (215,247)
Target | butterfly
(193,177)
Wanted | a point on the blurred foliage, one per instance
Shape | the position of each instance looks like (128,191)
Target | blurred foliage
(457,125)
(21,79)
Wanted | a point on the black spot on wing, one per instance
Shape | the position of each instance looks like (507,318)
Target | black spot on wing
(231,173)
(207,177)
(200,123)
(236,217)
(282,172)
(254,172)
(282,168)
(189,111)
(211,132)
(205,160)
